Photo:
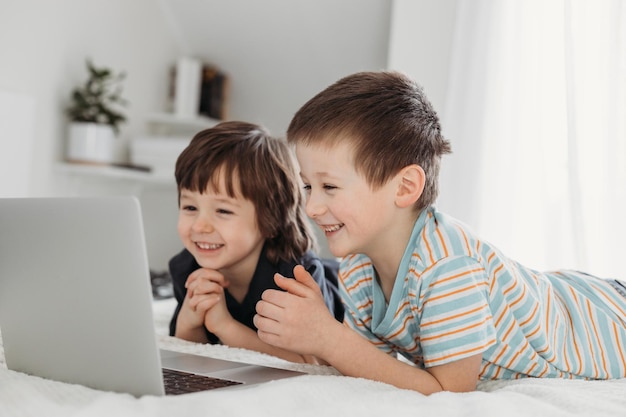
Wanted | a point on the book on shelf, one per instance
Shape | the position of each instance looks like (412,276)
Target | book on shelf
(212,92)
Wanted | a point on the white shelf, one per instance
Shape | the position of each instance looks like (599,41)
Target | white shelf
(170,121)
(164,123)
(115,173)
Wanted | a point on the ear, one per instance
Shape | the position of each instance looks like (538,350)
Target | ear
(411,180)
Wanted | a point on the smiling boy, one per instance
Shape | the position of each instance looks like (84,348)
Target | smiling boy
(414,281)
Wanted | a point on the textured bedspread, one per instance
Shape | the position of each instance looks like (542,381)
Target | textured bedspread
(320,393)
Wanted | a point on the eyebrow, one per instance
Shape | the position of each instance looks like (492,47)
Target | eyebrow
(228,200)
(321,175)
(233,201)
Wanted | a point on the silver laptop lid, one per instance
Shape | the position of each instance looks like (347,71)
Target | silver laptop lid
(74,282)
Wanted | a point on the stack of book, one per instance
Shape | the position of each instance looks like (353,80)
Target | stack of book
(213,93)
(205,94)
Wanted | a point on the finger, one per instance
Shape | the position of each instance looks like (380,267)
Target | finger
(291,286)
(208,303)
(283,282)
(213,276)
(276,297)
(300,286)
(265,326)
(269,338)
(197,291)
(302,275)
(269,310)
(191,278)
(200,287)
(206,274)
(204,302)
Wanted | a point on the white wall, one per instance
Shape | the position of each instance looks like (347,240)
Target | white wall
(278,53)
(17,122)
(43,47)
(420,44)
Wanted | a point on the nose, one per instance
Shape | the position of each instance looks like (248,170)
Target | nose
(315,206)
(202,224)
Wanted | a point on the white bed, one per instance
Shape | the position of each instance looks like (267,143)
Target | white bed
(323,392)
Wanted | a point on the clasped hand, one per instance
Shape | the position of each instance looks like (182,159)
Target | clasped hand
(205,299)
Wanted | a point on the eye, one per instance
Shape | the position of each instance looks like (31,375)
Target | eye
(307,188)
(224,211)
(329,187)
(188,208)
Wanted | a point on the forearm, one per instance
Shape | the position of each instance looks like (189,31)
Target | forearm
(352,355)
(236,334)
(190,333)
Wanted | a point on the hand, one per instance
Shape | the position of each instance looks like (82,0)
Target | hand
(296,320)
(205,303)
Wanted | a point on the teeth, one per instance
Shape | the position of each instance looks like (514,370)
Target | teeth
(329,229)
(208,246)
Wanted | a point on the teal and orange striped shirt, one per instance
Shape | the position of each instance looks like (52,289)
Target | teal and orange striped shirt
(456,296)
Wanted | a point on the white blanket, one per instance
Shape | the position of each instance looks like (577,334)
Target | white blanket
(323,392)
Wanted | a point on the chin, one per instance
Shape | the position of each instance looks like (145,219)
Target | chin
(338,252)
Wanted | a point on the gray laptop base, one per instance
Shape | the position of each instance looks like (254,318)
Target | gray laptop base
(76,301)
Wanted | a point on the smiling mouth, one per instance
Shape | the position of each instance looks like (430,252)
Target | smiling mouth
(208,246)
(331,229)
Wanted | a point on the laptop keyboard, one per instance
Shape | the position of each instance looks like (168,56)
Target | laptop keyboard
(177,382)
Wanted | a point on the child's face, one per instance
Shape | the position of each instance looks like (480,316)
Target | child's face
(221,232)
(353,216)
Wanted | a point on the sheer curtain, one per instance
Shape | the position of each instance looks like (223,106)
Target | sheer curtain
(536,113)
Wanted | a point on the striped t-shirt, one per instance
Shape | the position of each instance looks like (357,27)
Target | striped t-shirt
(456,296)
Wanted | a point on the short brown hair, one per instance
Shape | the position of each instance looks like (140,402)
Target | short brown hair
(262,168)
(387,119)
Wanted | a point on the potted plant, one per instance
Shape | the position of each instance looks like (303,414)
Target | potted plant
(95,116)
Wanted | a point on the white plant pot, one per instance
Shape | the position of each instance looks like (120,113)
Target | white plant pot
(91,143)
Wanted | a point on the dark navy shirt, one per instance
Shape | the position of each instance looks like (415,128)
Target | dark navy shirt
(323,271)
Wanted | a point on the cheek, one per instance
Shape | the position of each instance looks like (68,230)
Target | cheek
(251,221)
(252,231)
(247,233)
(182,226)
(360,211)
(348,207)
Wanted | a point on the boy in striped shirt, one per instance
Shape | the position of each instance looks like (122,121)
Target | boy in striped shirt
(414,281)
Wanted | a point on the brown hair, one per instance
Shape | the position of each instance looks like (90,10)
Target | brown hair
(262,168)
(387,119)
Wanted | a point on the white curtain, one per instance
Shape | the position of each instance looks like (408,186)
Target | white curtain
(536,113)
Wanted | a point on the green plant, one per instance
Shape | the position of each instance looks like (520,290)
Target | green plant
(99,98)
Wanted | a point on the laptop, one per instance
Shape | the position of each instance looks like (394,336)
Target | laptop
(76,300)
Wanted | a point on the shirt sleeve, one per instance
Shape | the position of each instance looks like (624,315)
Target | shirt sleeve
(453,311)
(325,272)
(180,266)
